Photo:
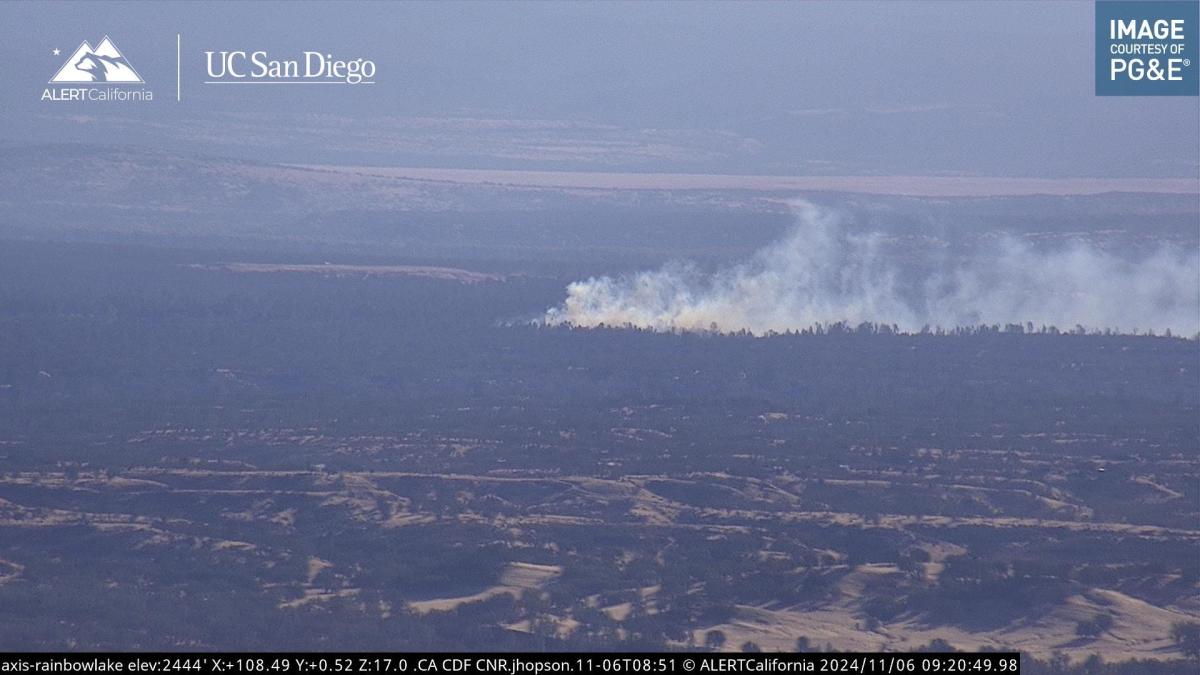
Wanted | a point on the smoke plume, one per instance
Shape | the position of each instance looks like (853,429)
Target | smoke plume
(822,274)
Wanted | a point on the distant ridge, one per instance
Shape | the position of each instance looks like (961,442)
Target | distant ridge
(916,186)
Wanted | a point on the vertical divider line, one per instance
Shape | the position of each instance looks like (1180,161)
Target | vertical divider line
(178,87)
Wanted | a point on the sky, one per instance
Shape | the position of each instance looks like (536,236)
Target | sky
(974,88)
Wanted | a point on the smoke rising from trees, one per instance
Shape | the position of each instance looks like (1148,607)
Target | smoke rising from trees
(823,273)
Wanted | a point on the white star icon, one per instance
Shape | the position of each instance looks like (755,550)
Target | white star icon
(57,51)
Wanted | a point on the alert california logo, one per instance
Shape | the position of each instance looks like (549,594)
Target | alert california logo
(101,74)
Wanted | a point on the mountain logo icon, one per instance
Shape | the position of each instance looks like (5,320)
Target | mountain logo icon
(105,63)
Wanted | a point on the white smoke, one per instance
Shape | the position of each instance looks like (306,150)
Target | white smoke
(822,274)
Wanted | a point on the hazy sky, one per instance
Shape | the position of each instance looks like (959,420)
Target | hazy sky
(921,88)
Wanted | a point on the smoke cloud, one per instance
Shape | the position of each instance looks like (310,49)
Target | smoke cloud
(822,274)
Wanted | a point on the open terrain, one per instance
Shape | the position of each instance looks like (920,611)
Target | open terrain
(290,407)
(378,456)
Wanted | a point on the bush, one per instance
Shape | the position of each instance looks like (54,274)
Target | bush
(1095,627)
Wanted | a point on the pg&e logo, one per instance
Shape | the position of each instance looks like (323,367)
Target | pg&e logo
(1147,48)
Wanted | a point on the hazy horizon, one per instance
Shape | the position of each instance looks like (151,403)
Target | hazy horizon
(779,89)
(610,327)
